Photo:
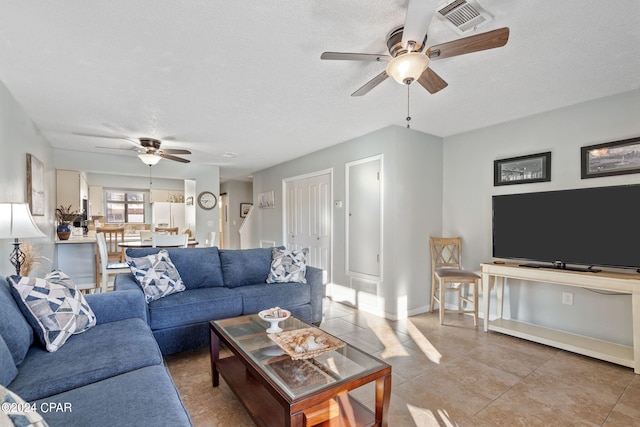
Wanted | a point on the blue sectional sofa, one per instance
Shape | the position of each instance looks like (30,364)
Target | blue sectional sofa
(220,284)
(110,375)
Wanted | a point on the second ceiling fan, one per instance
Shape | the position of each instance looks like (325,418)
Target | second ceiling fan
(408,61)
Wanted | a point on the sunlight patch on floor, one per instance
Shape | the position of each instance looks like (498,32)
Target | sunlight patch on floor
(423,343)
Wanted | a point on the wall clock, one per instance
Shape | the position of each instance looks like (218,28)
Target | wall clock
(207,200)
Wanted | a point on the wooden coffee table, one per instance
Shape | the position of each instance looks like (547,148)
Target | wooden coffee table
(279,391)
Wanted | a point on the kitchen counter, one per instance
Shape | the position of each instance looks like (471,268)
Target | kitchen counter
(77,258)
(76,239)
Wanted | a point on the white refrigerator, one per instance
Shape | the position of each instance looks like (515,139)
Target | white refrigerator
(165,214)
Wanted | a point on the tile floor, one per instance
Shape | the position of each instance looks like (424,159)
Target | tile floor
(452,375)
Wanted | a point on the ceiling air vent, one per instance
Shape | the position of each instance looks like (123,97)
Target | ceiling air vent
(463,16)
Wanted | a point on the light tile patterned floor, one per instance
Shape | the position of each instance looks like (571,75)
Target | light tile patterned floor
(449,375)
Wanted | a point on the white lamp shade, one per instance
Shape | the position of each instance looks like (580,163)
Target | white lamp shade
(16,222)
(149,159)
(407,67)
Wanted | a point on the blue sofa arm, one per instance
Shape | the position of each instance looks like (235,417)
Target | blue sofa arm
(114,306)
(317,281)
(126,282)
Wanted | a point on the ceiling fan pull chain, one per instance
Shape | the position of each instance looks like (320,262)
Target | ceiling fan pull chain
(408,115)
(150,183)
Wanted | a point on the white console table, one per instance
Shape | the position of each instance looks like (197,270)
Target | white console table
(494,275)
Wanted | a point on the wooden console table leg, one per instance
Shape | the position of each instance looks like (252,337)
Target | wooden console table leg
(635,322)
(215,356)
(500,294)
(486,297)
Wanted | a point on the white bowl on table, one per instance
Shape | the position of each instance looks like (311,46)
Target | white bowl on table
(274,328)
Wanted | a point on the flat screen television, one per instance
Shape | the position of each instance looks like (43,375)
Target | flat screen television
(585,227)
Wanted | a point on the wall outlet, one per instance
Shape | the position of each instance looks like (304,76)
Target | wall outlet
(567,298)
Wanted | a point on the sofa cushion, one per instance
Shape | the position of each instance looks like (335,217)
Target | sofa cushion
(156,274)
(103,351)
(259,297)
(194,306)
(245,267)
(207,274)
(288,265)
(14,328)
(16,412)
(8,370)
(143,398)
(53,306)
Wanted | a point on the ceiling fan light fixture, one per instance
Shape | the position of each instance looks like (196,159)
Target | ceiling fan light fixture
(149,159)
(407,67)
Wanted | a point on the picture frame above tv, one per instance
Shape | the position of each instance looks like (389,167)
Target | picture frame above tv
(611,158)
(522,169)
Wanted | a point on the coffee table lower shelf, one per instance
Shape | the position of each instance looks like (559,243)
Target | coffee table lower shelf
(263,407)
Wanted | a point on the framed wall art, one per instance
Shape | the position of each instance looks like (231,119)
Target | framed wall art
(523,169)
(35,185)
(244,209)
(611,158)
(266,200)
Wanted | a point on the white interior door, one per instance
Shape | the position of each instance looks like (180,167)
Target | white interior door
(364,217)
(308,218)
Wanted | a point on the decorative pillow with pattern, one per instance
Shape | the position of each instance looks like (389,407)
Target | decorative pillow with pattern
(17,412)
(288,266)
(53,306)
(156,274)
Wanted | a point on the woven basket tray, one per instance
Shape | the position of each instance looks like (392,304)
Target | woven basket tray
(286,339)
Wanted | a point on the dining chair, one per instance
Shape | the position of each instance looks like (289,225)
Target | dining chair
(449,276)
(113,236)
(167,230)
(106,268)
(169,240)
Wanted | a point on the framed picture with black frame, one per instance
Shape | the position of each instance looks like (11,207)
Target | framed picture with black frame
(611,158)
(244,209)
(522,169)
(35,185)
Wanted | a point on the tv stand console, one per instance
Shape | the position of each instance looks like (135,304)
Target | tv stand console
(495,275)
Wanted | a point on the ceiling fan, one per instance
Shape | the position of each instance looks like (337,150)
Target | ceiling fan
(408,61)
(149,148)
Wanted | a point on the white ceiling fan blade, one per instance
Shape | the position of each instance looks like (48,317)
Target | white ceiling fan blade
(416,24)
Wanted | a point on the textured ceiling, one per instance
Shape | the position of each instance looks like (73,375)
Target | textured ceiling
(246,76)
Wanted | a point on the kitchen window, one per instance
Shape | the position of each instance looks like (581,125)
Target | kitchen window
(125,206)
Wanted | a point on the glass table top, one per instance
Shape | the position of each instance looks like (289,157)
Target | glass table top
(296,378)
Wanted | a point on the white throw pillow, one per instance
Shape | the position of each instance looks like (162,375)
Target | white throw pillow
(288,266)
(156,274)
(17,412)
(54,307)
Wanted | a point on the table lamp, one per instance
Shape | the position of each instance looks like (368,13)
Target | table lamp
(16,223)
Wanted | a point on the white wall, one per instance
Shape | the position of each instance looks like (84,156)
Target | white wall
(468,187)
(19,136)
(412,187)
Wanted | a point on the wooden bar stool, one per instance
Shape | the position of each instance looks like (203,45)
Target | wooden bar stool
(448,276)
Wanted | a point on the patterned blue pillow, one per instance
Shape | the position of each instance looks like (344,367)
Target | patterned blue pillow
(156,274)
(17,412)
(288,266)
(53,306)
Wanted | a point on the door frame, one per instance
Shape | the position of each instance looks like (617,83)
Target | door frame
(285,181)
(348,272)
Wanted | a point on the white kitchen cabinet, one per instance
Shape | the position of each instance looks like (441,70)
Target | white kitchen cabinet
(172,196)
(71,189)
(96,204)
